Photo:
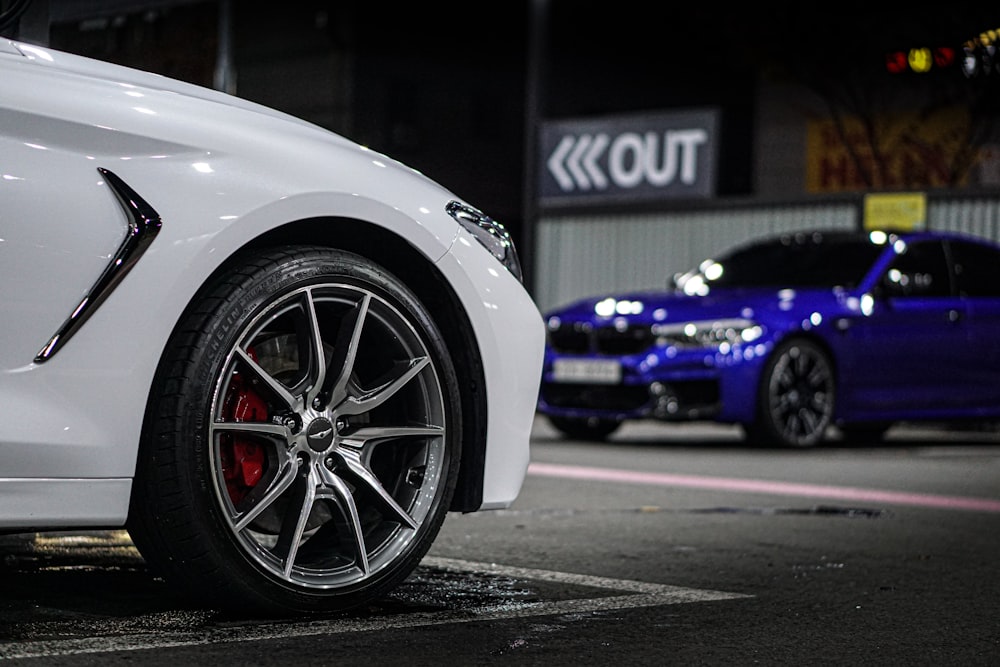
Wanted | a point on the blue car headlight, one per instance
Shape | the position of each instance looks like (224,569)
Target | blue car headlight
(490,233)
(707,333)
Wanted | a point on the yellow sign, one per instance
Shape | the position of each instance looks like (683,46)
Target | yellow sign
(900,210)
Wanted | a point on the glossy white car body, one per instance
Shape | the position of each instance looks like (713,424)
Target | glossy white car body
(220,172)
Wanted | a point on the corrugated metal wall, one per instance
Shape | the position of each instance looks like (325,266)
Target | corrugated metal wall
(584,255)
(980,217)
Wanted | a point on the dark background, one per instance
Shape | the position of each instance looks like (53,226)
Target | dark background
(457,90)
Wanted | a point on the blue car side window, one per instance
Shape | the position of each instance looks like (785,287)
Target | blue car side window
(920,270)
(976,269)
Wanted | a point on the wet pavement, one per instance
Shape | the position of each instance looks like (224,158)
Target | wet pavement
(79,593)
(95,586)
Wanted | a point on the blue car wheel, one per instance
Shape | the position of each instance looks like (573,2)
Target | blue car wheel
(796,396)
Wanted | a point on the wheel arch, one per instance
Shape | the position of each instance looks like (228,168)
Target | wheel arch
(420,275)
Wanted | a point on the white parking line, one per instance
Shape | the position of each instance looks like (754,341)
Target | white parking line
(635,594)
(661,593)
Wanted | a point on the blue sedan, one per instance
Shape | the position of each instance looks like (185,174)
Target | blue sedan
(787,336)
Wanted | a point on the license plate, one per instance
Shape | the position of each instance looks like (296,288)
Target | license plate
(593,371)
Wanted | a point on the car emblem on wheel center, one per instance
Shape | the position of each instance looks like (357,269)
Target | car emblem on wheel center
(319,434)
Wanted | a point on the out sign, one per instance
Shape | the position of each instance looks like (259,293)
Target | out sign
(646,156)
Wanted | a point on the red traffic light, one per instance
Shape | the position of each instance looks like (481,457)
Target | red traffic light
(944,56)
(895,63)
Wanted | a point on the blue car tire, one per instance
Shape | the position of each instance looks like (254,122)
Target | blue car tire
(796,396)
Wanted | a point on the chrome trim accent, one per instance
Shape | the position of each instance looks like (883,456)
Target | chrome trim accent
(143,227)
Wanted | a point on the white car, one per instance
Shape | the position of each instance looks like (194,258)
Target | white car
(275,356)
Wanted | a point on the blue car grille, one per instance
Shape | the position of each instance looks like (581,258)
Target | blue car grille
(583,339)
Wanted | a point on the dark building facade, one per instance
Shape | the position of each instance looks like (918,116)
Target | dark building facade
(810,102)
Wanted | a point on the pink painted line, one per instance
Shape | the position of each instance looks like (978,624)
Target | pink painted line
(762,486)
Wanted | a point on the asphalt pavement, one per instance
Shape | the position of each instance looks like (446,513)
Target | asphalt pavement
(668,545)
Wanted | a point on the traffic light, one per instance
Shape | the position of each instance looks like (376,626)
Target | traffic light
(920,60)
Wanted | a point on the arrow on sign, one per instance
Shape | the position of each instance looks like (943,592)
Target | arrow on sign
(579,155)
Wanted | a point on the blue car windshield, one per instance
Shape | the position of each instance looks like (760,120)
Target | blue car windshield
(788,262)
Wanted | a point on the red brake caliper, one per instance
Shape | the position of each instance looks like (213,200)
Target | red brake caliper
(242,459)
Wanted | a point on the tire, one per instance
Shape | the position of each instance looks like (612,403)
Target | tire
(795,400)
(302,442)
(585,428)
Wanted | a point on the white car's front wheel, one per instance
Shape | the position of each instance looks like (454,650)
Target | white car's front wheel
(302,443)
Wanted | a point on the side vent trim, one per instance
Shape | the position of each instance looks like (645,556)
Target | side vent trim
(144,225)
